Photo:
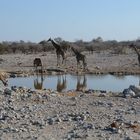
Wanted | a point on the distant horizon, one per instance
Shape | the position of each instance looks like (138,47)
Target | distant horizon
(71,20)
(68,40)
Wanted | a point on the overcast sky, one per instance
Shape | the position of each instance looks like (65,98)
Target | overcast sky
(35,20)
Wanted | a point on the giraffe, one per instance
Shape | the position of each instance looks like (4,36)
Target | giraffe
(136,50)
(59,52)
(79,57)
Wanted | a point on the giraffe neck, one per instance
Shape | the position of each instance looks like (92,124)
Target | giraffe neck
(75,51)
(136,50)
(55,45)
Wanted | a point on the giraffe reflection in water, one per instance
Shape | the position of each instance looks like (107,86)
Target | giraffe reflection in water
(61,83)
(139,81)
(38,82)
(81,83)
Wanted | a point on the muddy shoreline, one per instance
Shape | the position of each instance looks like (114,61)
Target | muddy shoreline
(97,63)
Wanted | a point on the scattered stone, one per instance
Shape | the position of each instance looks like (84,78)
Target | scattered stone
(128,93)
(32,113)
(132,91)
(7,91)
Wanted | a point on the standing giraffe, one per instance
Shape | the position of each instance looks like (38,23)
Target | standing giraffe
(59,52)
(79,57)
(136,50)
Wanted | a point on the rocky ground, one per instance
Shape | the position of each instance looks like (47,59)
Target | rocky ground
(82,115)
(49,115)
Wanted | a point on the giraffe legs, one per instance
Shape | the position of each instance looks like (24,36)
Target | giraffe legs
(58,60)
(78,64)
(64,62)
(84,65)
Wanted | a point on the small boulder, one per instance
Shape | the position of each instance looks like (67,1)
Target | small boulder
(7,91)
(128,93)
(135,89)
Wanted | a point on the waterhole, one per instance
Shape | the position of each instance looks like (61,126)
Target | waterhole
(76,82)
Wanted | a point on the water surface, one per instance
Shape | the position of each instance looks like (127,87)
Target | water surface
(68,82)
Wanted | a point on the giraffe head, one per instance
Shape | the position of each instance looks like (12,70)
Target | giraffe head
(49,40)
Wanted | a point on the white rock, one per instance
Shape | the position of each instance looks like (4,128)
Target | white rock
(135,89)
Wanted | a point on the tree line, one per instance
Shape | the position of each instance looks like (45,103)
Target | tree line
(98,44)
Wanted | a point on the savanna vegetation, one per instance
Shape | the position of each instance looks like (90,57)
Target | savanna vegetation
(97,44)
